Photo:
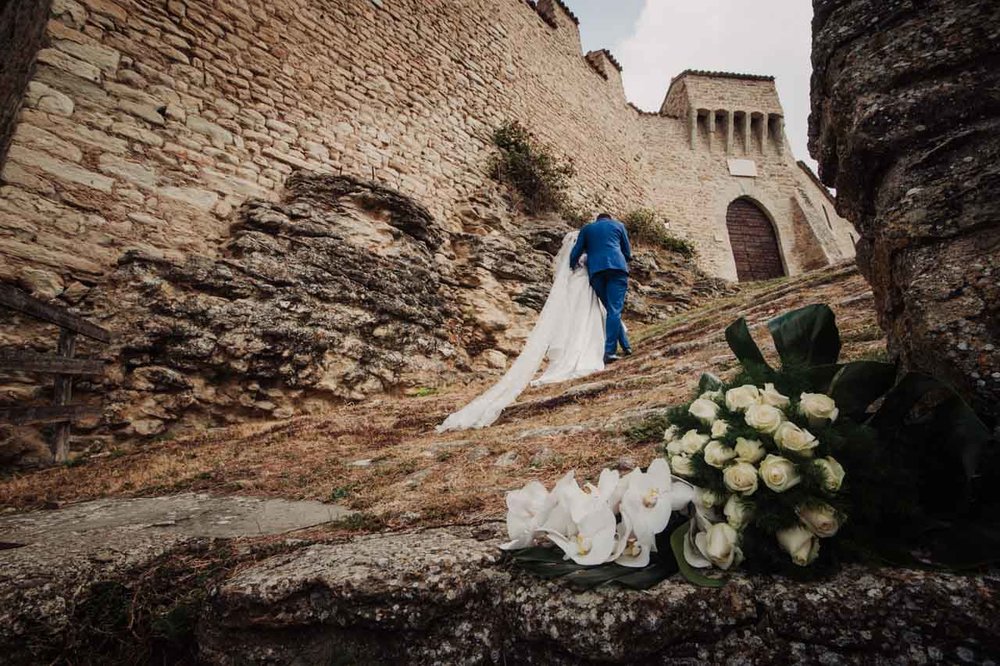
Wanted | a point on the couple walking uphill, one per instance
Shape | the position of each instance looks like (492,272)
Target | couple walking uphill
(579,330)
(605,244)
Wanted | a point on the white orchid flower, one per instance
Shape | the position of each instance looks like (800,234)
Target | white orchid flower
(610,488)
(648,499)
(631,549)
(527,510)
(593,541)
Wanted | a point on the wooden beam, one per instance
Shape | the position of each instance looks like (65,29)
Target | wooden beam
(63,394)
(48,364)
(22,302)
(46,414)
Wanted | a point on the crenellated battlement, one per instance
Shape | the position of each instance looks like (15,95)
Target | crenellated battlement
(737,113)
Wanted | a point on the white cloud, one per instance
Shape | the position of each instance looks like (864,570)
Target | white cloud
(729,35)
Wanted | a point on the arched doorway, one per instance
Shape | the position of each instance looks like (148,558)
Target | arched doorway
(755,245)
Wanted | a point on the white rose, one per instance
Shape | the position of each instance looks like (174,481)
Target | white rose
(718,454)
(709,499)
(674,447)
(764,418)
(681,465)
(800,543)
(741,478)
(833,473)
(719,428)
(749,450)
(818,408)
(692,442)
(740,398)
(770,396)
(821,520)
(793,438)
(779,474)
(737,512)
(719,544)
(704,410)
(711,395)
(670,434)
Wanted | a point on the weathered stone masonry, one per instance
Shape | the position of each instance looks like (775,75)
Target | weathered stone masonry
(147,121)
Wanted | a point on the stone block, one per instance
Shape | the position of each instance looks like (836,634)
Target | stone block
(191,196)
(69,64)
(60,169)
(137,133)
(132,172)
(219,135)
(104,58)
(70,11)
(109,9)
(14,174)
(147,112)
(39,139)
(44,98)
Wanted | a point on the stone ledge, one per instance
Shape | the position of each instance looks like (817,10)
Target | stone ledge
(444,596)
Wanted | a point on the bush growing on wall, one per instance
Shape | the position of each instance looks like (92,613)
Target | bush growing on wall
(645,226)
(530,169)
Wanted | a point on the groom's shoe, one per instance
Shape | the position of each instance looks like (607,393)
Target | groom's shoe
(627,352)
(611,358)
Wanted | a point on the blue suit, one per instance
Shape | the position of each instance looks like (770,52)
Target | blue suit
(605,242)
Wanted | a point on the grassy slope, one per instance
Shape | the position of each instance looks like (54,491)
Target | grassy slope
(419,477)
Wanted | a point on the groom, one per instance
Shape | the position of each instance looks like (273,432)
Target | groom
(605,242)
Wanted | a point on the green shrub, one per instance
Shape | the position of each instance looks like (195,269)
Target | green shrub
(645,226)
(530,169)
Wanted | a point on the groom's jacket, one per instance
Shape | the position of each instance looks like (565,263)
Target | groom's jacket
(605,242)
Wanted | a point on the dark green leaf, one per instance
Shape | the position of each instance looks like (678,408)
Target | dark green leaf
(690,573)
(857,385)
(538,554)
(821,376)
(806,336)
(647,577)
(709,382)
(741,342)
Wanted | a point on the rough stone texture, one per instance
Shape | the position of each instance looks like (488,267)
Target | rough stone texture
(344,290)
(442,597)
(49,559)
(182,110)
(906,126)
(22,27)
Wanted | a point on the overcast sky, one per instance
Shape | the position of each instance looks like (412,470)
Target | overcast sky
(657,39)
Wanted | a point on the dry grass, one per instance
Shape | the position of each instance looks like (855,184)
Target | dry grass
(419,477)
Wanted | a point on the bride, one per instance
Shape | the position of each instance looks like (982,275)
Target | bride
(569,331)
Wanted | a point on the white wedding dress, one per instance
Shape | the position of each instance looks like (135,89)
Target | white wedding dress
(569,331)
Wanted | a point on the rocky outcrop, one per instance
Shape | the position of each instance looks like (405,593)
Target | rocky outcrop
(54,563)
(343,290)
(334,291)
(906,126)
(444,597)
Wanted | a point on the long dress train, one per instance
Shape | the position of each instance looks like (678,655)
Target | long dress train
(569,330)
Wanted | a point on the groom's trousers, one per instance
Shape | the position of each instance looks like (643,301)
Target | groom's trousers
(611,286)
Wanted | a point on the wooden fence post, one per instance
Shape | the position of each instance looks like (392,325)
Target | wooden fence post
(63,395)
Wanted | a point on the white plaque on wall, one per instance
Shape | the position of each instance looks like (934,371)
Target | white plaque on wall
(744,168)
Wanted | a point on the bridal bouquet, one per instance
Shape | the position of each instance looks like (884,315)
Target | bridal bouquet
(786,470)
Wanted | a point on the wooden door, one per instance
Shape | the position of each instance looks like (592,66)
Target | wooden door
(755,245)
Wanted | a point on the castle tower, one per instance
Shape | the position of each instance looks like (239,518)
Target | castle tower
(726,178)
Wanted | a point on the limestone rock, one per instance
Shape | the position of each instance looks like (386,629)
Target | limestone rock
(443,597)
(905,125)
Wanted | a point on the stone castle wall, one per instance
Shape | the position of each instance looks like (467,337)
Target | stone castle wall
(148,121)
